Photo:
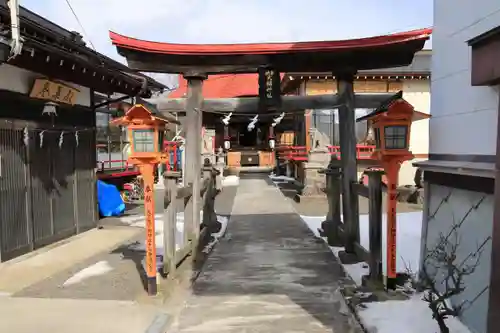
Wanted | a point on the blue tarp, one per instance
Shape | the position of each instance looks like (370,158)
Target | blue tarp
(109,200)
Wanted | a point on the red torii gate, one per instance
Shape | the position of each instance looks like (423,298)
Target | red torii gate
(342,58)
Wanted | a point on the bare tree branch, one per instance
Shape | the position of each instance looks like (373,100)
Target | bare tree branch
(443,277)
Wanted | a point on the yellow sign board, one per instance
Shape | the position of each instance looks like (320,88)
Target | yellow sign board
(54,91)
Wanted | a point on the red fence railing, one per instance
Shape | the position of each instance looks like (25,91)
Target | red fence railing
(300,153)
(115,169)
(113,165)
(172,148)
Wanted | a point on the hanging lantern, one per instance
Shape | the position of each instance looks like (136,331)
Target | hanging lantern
(272,142)
(50,108)
(145,132)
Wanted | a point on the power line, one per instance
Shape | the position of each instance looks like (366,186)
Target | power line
(80,24)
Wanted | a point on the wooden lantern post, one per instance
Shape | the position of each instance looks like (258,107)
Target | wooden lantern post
(391,123)
(144,130)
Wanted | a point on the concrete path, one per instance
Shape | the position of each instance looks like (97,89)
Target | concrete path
(28,315)
(35,267)
(106,293)
(268,274)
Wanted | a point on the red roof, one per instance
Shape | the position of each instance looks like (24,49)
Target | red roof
(266,48)
(223,86)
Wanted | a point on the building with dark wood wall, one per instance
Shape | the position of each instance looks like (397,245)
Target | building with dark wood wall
(47,131)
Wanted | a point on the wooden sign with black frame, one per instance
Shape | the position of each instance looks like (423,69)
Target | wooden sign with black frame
(269,88)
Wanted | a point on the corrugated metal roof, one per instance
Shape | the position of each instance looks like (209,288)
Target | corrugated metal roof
(223,86)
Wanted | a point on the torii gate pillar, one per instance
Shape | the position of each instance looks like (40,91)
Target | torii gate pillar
(347,136)
(192,173)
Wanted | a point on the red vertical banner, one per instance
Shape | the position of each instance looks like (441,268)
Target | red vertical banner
(392,171)
(391,231)
(149,207)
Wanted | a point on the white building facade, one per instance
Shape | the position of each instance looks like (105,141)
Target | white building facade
(460,173)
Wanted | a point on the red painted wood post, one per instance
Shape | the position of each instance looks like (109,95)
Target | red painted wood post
(176,147)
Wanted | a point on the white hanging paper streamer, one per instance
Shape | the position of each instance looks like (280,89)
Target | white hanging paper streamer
(253,121)
(61,139)
(41,138)
(26,136)
(76,138)
(277,120)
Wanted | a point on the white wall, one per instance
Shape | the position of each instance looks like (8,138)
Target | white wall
(464,118)
(449,208)
(417,93)
(21,80)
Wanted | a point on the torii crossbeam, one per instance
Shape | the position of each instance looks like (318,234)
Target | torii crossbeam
(251,104)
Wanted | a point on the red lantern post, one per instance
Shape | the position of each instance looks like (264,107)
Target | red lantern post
(391,123)
(144,134)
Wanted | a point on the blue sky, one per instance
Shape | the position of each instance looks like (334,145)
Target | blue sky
(234,21)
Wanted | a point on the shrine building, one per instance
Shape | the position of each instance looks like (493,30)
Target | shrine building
(312,128)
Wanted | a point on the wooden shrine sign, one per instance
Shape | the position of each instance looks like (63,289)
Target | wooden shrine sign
(54,92)
(269,88)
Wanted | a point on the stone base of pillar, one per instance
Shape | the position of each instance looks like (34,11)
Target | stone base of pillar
(314,182)
(330,231)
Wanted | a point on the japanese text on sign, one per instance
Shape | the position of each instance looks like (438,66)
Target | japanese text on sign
(391,265)
(391,233)
(53,91)
(150,233)
(269,83)
(269,88)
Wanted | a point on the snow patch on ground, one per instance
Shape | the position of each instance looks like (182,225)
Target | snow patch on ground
(223,220)
(380,317)
(281,179)
(231,180)
(355,271)
(140,222)
(97,269)
(409,230)
(408,316)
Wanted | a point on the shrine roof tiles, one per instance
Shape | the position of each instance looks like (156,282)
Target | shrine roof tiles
(266,48)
